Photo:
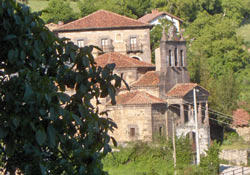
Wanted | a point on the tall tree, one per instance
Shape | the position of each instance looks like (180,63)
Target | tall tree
(216,57)
(43,130)
(58,10)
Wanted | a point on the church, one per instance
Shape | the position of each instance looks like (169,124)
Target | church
(161,95)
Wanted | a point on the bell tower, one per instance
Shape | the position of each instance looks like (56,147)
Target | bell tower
(171,58)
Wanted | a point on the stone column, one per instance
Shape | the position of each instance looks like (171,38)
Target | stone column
(190,113)
(206,122)
(166,123)
(182,114)
(199,113)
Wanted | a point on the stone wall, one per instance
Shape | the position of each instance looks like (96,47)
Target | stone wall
(159,122)
(134,122)
(244,132)
(237,157)
(204,135)
(119,39)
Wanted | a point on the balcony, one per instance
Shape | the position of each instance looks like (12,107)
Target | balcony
(106,48)
(134,48)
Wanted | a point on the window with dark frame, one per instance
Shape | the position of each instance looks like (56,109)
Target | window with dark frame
(161,130)
(132,132)
(133,43)
(175,57)
(80,43)
(170,57)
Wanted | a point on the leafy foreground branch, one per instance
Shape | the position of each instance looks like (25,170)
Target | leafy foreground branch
(43,130)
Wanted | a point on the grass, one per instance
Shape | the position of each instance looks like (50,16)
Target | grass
(236,145)
(234,141)
(139,160)
(38,5)
(148,159)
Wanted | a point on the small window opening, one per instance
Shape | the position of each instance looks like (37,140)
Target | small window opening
(175,57)
(170,57)
(132,132)
(80,43)
(161,130)
(104,43)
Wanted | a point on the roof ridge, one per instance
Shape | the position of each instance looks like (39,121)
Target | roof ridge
(124,16)
(131,99)
(72,22)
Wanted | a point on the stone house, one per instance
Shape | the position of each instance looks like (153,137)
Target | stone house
(111,32)
(159,95)
(241,121)
(155,16)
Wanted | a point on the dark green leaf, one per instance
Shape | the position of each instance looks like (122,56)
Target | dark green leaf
(64,97)
(114,141)
(43,169)
(52,135)
(28,91)
(10,37)
(41,137)
(77,119)
(11,56)
(112,95)
(10,148)
(16,121)
(3,133)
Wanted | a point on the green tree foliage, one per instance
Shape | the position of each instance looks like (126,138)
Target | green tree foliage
(156,34)
(155,159)
(216,58)
(87,7)
(138,7)
(210,164)
(130,8)
(236,9)
(43,130)
(58,10)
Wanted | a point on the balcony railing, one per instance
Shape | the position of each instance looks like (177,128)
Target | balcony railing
(107,48)
(133,48)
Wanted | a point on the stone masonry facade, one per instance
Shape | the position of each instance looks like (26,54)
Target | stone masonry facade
(160,95)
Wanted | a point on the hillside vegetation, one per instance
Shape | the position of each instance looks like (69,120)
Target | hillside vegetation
(157,159)
(38,5)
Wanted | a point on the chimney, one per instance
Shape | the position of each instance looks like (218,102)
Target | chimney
(154,11)
(60,23)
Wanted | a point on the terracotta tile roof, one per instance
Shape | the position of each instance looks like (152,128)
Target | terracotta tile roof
(151,78)
(137,97)
(151,16)
(180,90)
(102,19)
(121,61)
(241,117)
(52,26)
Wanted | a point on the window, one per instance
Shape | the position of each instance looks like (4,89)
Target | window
(175,57)
(118,37)
(170,57)
(132,132)
(161,130)
(133,43)
(104,43)
(80,43)
(182,58)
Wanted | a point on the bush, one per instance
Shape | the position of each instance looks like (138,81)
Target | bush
(43,130)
